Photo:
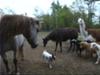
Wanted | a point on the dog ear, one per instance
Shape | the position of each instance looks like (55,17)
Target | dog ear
(94,46)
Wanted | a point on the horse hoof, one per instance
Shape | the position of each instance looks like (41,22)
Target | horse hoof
(96,63)
(50,67)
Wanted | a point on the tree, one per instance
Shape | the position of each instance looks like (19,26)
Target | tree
(1,11)
(85,7)
(6,11)
(91,9)
(63,16)
(90,4)
(55,7)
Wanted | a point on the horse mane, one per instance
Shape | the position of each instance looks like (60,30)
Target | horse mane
(15,20)
(11,25)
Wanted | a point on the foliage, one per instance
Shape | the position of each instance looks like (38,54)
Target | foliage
(63,16)
(6,11)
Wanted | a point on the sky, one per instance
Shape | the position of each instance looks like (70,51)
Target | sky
(30,6)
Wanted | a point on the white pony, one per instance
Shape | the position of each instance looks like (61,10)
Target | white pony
(82,27)
(83,33)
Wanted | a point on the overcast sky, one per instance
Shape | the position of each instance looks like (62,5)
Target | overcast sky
(28,6)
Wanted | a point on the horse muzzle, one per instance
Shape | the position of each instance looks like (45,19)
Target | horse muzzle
(34,46)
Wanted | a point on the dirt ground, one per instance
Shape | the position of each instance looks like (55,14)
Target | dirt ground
(65,64)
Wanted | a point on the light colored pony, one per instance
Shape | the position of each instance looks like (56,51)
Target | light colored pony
(82,28)
(83,32)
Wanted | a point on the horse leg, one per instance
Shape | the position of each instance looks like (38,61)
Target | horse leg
(21,52)
(56,46)
(70,46)
(73,46)
(15,61)
(77,49)
(60,46)
(80,52)
(98,60)
(4,57)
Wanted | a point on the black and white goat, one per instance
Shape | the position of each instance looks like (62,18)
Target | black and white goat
(48,58)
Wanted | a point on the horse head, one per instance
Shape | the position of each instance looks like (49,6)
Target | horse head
(32,31)
(44,42)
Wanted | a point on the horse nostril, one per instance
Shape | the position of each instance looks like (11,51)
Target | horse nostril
(34,46)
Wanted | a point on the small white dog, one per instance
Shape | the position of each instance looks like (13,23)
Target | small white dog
(97,48)
(48,58)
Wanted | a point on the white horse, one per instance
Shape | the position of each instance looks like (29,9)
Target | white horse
(82,27)
(83,32)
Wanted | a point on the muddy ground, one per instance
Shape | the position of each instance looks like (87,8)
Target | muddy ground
(65,64)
